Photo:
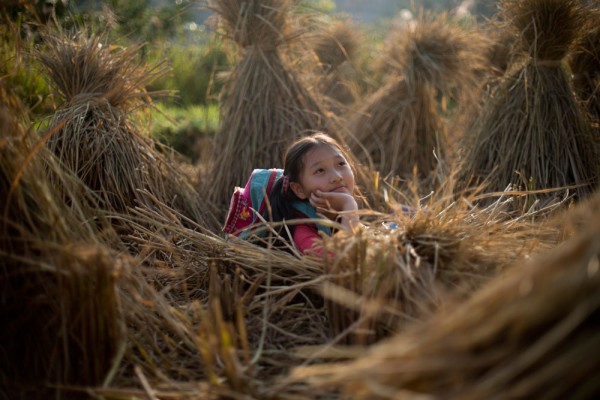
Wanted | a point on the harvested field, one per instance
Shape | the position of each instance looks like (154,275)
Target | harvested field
(116,281)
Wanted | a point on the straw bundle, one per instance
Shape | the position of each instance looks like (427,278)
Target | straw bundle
(384,280)
(102,86)
(400,126)
(500,50)
(76,314)
(531,133)
(59,308)
(264,106)
(529,334)
(337,43)
(336,46)
(585,66)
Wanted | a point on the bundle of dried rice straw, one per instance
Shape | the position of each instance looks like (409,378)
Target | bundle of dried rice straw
(383,280)
(532,133)
(400,126)
(78,316)
(58,304)
(264,105)
(98,139)
(585,66)
(336,44)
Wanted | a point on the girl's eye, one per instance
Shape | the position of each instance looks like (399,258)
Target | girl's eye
(318,171)
(342,163)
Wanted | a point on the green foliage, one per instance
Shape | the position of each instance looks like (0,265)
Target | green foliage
(21,72)
(194,69)
(319,6)
(132,16)
(186,130)
(138,20)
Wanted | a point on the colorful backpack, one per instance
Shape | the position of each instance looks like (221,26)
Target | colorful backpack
(248,203)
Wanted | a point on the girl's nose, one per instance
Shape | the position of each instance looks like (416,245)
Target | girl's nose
(336,176)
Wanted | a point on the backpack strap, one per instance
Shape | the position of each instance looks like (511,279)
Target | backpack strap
(265,189)
(307,209)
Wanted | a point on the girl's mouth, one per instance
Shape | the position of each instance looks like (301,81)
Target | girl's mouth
(339,189)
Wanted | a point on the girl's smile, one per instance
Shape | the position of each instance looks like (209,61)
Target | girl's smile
(339,189)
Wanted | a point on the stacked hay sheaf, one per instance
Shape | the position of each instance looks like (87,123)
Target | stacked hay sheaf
(532,133)
(401,127)
(585,66)
(383,280)
(264,105)
(336,45)
(103,86)
(58,304)
(528,334)
(500,50)
(79,316)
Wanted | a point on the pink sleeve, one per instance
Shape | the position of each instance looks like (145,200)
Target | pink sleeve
(305,237)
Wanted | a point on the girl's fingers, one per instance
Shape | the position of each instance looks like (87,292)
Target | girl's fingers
(319,202)
(315,201)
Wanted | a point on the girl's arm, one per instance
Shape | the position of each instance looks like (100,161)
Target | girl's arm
(338,203)
(306,238)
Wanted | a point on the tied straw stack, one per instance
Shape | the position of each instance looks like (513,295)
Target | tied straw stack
(264,106)
(400,126)
(94,132)
(532,134)
(585,66)
(336,45)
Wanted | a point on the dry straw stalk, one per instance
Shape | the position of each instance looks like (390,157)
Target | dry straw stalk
(436,257)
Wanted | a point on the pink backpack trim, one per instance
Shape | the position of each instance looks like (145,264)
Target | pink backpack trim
(240,216)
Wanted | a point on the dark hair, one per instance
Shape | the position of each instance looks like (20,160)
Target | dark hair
(280,200)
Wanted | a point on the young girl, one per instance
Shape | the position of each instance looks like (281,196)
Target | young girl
(316,176)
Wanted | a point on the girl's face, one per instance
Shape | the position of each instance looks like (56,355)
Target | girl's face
(326,169)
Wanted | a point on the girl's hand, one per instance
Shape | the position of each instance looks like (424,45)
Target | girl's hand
(333,201)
